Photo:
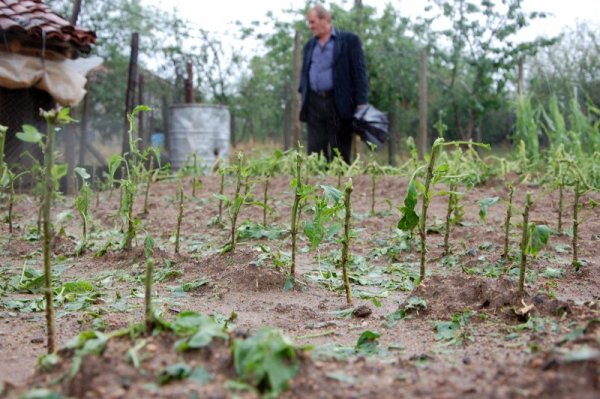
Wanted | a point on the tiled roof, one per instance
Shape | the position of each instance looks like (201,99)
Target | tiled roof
(34,19)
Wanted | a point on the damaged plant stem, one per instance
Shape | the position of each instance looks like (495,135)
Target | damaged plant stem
(179,215)
(346,240)
(296,210)
(31,135)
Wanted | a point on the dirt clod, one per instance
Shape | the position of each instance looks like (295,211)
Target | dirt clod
(362,311)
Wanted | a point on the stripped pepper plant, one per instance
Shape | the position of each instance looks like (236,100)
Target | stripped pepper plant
(82,203)
(433,174)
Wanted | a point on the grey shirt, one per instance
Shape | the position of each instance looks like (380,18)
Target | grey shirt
(321,65)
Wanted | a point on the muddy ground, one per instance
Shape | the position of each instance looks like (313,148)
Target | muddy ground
(462,333)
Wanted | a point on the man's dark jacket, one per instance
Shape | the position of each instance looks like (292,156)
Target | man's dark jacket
(350,85)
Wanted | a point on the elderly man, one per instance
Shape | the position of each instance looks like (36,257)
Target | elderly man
(333,84)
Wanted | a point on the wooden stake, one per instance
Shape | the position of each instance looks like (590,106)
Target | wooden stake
(296,100)
(422,139)
(131,85)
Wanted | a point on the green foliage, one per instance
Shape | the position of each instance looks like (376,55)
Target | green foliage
(410,218)
(197,330)
(181,371)
(266,360)
(86,343)
(326,209)
(254,231)
(434,173)
(527,129)
(484,204)
(40,393)
(455,331)
(568,63)
(30,134)
(538,238)
(476,69)
(134,162)
(367,343)
(234,203)
(173,372)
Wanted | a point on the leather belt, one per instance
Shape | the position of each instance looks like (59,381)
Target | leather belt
(323,94)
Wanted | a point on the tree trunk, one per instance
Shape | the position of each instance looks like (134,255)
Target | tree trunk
(287,116)
(75,12)
(520,76)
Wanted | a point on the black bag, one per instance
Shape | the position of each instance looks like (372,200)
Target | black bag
(371,125)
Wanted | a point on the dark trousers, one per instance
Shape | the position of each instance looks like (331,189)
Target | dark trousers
(326,131)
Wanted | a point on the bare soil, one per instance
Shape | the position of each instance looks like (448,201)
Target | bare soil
(543,345)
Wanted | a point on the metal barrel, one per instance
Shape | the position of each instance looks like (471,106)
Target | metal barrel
(201,128)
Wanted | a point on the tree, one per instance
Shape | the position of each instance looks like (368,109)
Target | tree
(571,63)
(477,54)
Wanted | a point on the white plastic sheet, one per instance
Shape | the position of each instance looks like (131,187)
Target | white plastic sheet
(63,80)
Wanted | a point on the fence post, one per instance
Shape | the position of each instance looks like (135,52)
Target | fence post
(295,95)
(422,144)
(189,85)
(131,84)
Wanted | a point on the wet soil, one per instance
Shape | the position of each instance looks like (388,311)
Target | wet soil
(545,344)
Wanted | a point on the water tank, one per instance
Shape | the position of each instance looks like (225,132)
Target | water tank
(201,128)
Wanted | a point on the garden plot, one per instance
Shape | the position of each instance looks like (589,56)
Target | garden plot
(462,332)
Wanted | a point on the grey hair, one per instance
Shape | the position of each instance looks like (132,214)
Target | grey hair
(321,11)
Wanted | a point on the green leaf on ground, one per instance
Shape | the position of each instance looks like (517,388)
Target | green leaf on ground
(174,372)
(367,343)
(266,360)
(551,272)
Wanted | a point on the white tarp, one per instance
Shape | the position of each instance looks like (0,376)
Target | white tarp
(64,80)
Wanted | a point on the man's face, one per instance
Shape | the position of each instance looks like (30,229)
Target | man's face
(319,26)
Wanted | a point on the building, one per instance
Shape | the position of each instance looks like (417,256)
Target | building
(41,65)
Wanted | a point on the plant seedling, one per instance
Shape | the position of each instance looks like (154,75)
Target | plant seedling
(346,240)
(31,135)
(234,205)
(148,311)
(375,170)
(296,210)
(82,203)
(7,179)
(179,215)
(410,219)
(511,191)
(533,239)
(134,165)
